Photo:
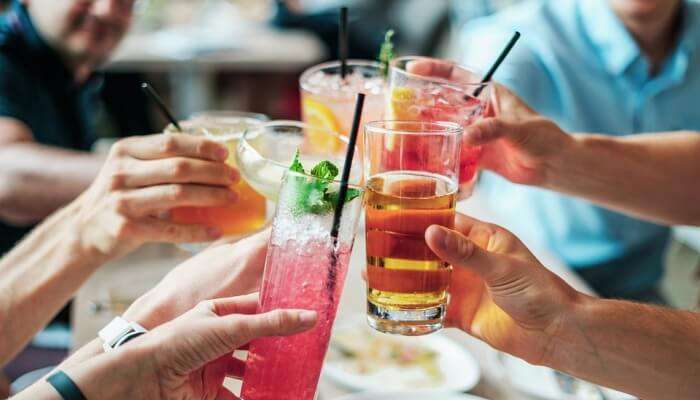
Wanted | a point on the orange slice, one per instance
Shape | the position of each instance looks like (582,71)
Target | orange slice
(321,116)
(399,109)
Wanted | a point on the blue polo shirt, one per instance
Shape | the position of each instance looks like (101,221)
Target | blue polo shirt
(37,88)
(578,65)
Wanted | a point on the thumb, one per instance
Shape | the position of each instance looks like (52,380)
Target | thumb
(456,249)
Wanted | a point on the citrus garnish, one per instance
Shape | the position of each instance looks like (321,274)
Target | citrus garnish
(401,109)
(318,115)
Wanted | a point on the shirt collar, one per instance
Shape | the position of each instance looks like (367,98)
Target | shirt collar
(615,45)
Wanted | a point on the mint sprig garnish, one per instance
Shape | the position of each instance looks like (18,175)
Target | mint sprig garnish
(386,53)
(313,195)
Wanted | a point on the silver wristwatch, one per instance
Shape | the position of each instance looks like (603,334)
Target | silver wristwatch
(118,332)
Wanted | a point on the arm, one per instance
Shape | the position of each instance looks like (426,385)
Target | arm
(106,376)
(27,169)
(187,358)
(38,277)
(653,176)
(185,286)
(520,307)
(142,178)
(645,350)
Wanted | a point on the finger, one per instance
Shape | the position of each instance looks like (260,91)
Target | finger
(244,328)
(235,368)
(456,249)
(155,147)
(507,103)
(153,199)
(179,170)
(487,130)
(246,304)
(225,394)
(491,237)
(426,67)
(154,230)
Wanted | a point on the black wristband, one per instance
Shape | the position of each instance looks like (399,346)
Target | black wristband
(65,386)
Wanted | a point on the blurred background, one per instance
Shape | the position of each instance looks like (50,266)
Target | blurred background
(247,55)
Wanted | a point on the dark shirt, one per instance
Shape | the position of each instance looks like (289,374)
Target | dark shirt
(37,88)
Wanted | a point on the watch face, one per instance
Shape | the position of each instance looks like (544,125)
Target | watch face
(129,337)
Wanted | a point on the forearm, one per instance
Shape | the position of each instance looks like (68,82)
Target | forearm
(113,375)
(648,351)
(39,276)
(36,180)
(652,176)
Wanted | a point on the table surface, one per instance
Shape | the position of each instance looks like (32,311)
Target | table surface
(258,48)
(126,279)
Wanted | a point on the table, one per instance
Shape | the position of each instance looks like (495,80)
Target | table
(193,56)
(125,279)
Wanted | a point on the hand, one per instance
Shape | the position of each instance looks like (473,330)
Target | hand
(222,270)
(189,357)
(518,143)
(499,292)
(142,179)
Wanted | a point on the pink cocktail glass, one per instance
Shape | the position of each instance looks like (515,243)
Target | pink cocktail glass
(432,90)
(303,270)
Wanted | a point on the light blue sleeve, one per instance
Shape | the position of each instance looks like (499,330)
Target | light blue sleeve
(523,71)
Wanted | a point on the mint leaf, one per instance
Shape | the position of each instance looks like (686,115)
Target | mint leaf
(325,170)
(351,195)
(296,164)
(386,52)
(311,195)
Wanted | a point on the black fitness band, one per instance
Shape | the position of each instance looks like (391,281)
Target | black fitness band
(65,386)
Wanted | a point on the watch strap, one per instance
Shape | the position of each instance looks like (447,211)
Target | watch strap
(65,386)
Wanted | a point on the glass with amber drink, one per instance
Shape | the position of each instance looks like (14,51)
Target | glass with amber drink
(412,178)
(250,212)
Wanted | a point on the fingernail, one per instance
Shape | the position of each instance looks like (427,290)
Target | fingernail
(234,175)
(451,242)
(214,232)
(221,154)
(307,317)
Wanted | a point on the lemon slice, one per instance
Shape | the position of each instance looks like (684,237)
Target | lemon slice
(400,109)
(321,116)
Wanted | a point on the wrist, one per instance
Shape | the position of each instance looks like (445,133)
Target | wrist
(567,336)
(151,310)
(556,164)
(112,375)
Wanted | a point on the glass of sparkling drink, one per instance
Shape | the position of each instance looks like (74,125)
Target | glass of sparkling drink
(248,213)
(328,99)
(412,174)
(427,89)
(305,269)
(265,153)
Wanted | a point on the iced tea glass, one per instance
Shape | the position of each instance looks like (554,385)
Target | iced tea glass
(412,176)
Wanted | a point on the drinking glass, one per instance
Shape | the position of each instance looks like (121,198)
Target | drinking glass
(451,92)
(412,175)
(305,269)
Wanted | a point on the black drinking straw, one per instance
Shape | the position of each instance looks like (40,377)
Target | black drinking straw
(343,41)
(345,177)
(342,193)
(151,93)
(498,63)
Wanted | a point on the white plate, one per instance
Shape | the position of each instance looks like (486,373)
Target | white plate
(541,383)
(458,367)
(408,396)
